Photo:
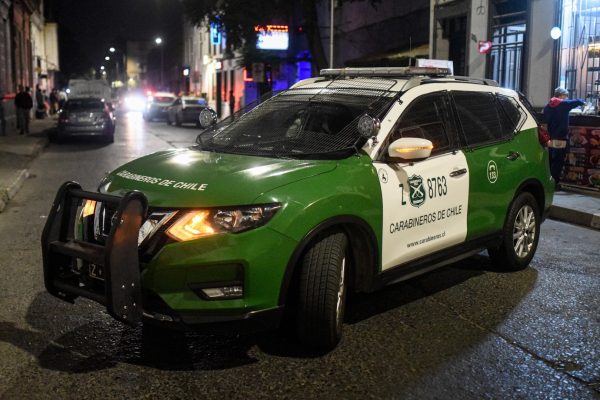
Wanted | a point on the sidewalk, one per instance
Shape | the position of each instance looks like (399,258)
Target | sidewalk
(16,152)
(579,207)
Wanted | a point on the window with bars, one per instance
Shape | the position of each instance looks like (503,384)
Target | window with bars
(579,65)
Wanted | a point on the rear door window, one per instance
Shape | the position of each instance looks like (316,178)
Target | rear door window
(480,117)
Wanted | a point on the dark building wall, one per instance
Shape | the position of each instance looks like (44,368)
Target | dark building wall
(364,30)
(21,30)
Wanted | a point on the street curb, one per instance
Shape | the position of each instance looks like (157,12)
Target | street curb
(12,187)
(576,217)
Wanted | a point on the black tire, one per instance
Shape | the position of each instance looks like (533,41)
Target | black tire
(169,121)
(520,235)
(110,138)
(177,120)
(322,292)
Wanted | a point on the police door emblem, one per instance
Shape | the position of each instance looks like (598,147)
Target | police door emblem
(492,171)
(417,190)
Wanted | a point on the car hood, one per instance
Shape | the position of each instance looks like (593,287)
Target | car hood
(193,178)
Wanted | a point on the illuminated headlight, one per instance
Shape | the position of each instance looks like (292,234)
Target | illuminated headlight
(195,224)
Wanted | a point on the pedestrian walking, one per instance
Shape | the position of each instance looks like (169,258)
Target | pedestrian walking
(39,102)
(54,101)
(556,114)
(24,104)
(2,120)
(231,102)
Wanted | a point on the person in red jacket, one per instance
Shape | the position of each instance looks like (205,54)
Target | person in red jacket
(556,114)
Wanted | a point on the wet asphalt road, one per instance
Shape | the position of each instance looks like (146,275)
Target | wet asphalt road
(462,332)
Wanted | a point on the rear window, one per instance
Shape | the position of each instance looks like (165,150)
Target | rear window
(479,116)
(194,102)
(84,104)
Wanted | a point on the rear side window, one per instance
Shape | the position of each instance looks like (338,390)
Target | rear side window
(513,114)
(480,117)
(428,118)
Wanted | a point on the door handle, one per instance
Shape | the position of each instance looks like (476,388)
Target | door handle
(513,155)
(458,172)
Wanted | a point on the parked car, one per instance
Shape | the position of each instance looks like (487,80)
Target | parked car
(186,110)
(157,106)
(85,117)
(344,183)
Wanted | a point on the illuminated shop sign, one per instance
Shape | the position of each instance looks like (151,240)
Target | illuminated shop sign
(272,37)
(215,34)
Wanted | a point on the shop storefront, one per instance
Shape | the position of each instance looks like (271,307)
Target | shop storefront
(579,73)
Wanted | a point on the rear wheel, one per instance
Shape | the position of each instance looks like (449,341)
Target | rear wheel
(322,292)
(520,234)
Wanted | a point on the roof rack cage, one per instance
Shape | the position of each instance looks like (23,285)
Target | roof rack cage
(386,72)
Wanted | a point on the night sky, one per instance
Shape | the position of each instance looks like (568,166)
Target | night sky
(87,28)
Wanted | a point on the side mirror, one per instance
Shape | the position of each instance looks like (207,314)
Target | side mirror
(207,118)
(409,149)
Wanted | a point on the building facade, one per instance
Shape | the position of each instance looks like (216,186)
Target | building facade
(386,33)
(44,47)
(28,54)
(505,40)
(210,71)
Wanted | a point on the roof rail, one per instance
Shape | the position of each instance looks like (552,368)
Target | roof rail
(468,79)
(386,72)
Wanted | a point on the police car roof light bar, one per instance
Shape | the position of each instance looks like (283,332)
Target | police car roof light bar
(386,72)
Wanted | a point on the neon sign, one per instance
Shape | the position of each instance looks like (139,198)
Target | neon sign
(272,37)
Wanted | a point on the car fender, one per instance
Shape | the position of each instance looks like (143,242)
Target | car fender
(347,198)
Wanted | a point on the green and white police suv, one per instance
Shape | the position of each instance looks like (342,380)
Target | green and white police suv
(345,182)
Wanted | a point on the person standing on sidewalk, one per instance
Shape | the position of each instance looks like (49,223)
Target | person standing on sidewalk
(556,114)
(24,104)
(40,110)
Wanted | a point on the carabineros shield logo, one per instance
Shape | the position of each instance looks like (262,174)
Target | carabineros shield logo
(417,190)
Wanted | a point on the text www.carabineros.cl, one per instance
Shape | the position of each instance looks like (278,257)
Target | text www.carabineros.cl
(427,239)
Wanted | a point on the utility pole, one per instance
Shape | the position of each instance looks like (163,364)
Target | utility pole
(331,14)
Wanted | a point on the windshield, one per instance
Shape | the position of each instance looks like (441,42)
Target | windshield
(299,123)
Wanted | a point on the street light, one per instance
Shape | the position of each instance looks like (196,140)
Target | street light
(158,42)
(112,49)
(107,58)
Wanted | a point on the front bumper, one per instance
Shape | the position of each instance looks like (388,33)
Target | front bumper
(172,275)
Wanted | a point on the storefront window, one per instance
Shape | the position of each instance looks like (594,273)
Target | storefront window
(579,70)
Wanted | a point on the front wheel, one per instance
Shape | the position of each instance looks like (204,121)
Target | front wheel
(322,292)
(520,234)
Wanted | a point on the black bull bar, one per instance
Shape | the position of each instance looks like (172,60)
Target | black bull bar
(119,257)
